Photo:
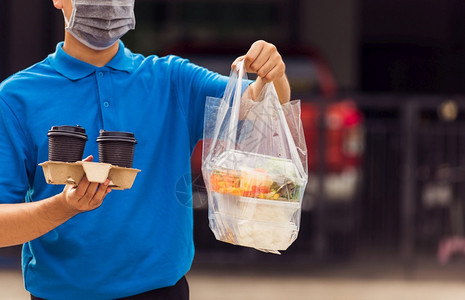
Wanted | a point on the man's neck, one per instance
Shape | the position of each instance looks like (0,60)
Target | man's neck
(79,51)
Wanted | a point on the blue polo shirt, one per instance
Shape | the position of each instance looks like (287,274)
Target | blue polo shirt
(139,239)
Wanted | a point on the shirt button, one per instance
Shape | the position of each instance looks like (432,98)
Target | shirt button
(100,74)
(106,104)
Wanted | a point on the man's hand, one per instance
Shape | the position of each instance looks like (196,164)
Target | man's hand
(23,222)
(264,60)
(86,196)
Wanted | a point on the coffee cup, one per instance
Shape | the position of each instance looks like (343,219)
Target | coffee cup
(66,143)
(116,148)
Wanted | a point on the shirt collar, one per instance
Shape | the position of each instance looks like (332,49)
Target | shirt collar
(75,69)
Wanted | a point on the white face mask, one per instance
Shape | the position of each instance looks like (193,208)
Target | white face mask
(98,24)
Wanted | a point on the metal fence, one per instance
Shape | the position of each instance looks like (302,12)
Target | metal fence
(413,192)
(433,191)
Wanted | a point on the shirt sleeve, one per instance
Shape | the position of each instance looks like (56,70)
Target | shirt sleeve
(14,182)
(194,85)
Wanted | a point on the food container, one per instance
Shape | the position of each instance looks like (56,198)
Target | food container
(269,237)
(254,200)
(253,209)
(255,176)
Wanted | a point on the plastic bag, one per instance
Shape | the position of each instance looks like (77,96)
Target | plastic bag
(254,166)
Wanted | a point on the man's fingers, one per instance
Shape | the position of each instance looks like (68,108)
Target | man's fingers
(81,189)
(89,158)
(252,54)
(270,75)
(234,64)
(274,73)
(101,192)
(98,198)
(265,69)
(91,190)
(267,56)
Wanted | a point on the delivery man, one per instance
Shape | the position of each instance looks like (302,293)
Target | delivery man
(138,243)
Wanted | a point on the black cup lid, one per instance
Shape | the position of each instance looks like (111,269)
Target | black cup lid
(120,136)
(67,129)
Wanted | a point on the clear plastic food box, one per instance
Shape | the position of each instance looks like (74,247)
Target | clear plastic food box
(254,199)
(254,175)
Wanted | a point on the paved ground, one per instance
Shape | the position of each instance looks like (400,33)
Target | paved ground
(263,288)
(348,281)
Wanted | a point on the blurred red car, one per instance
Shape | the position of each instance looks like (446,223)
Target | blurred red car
(344,138)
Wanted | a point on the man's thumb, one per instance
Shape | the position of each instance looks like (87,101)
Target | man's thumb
(89,158)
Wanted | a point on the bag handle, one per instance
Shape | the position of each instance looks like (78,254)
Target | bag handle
(233,86)
(292,146)
(236,105)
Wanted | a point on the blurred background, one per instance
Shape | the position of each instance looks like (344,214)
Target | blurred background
(382,85)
